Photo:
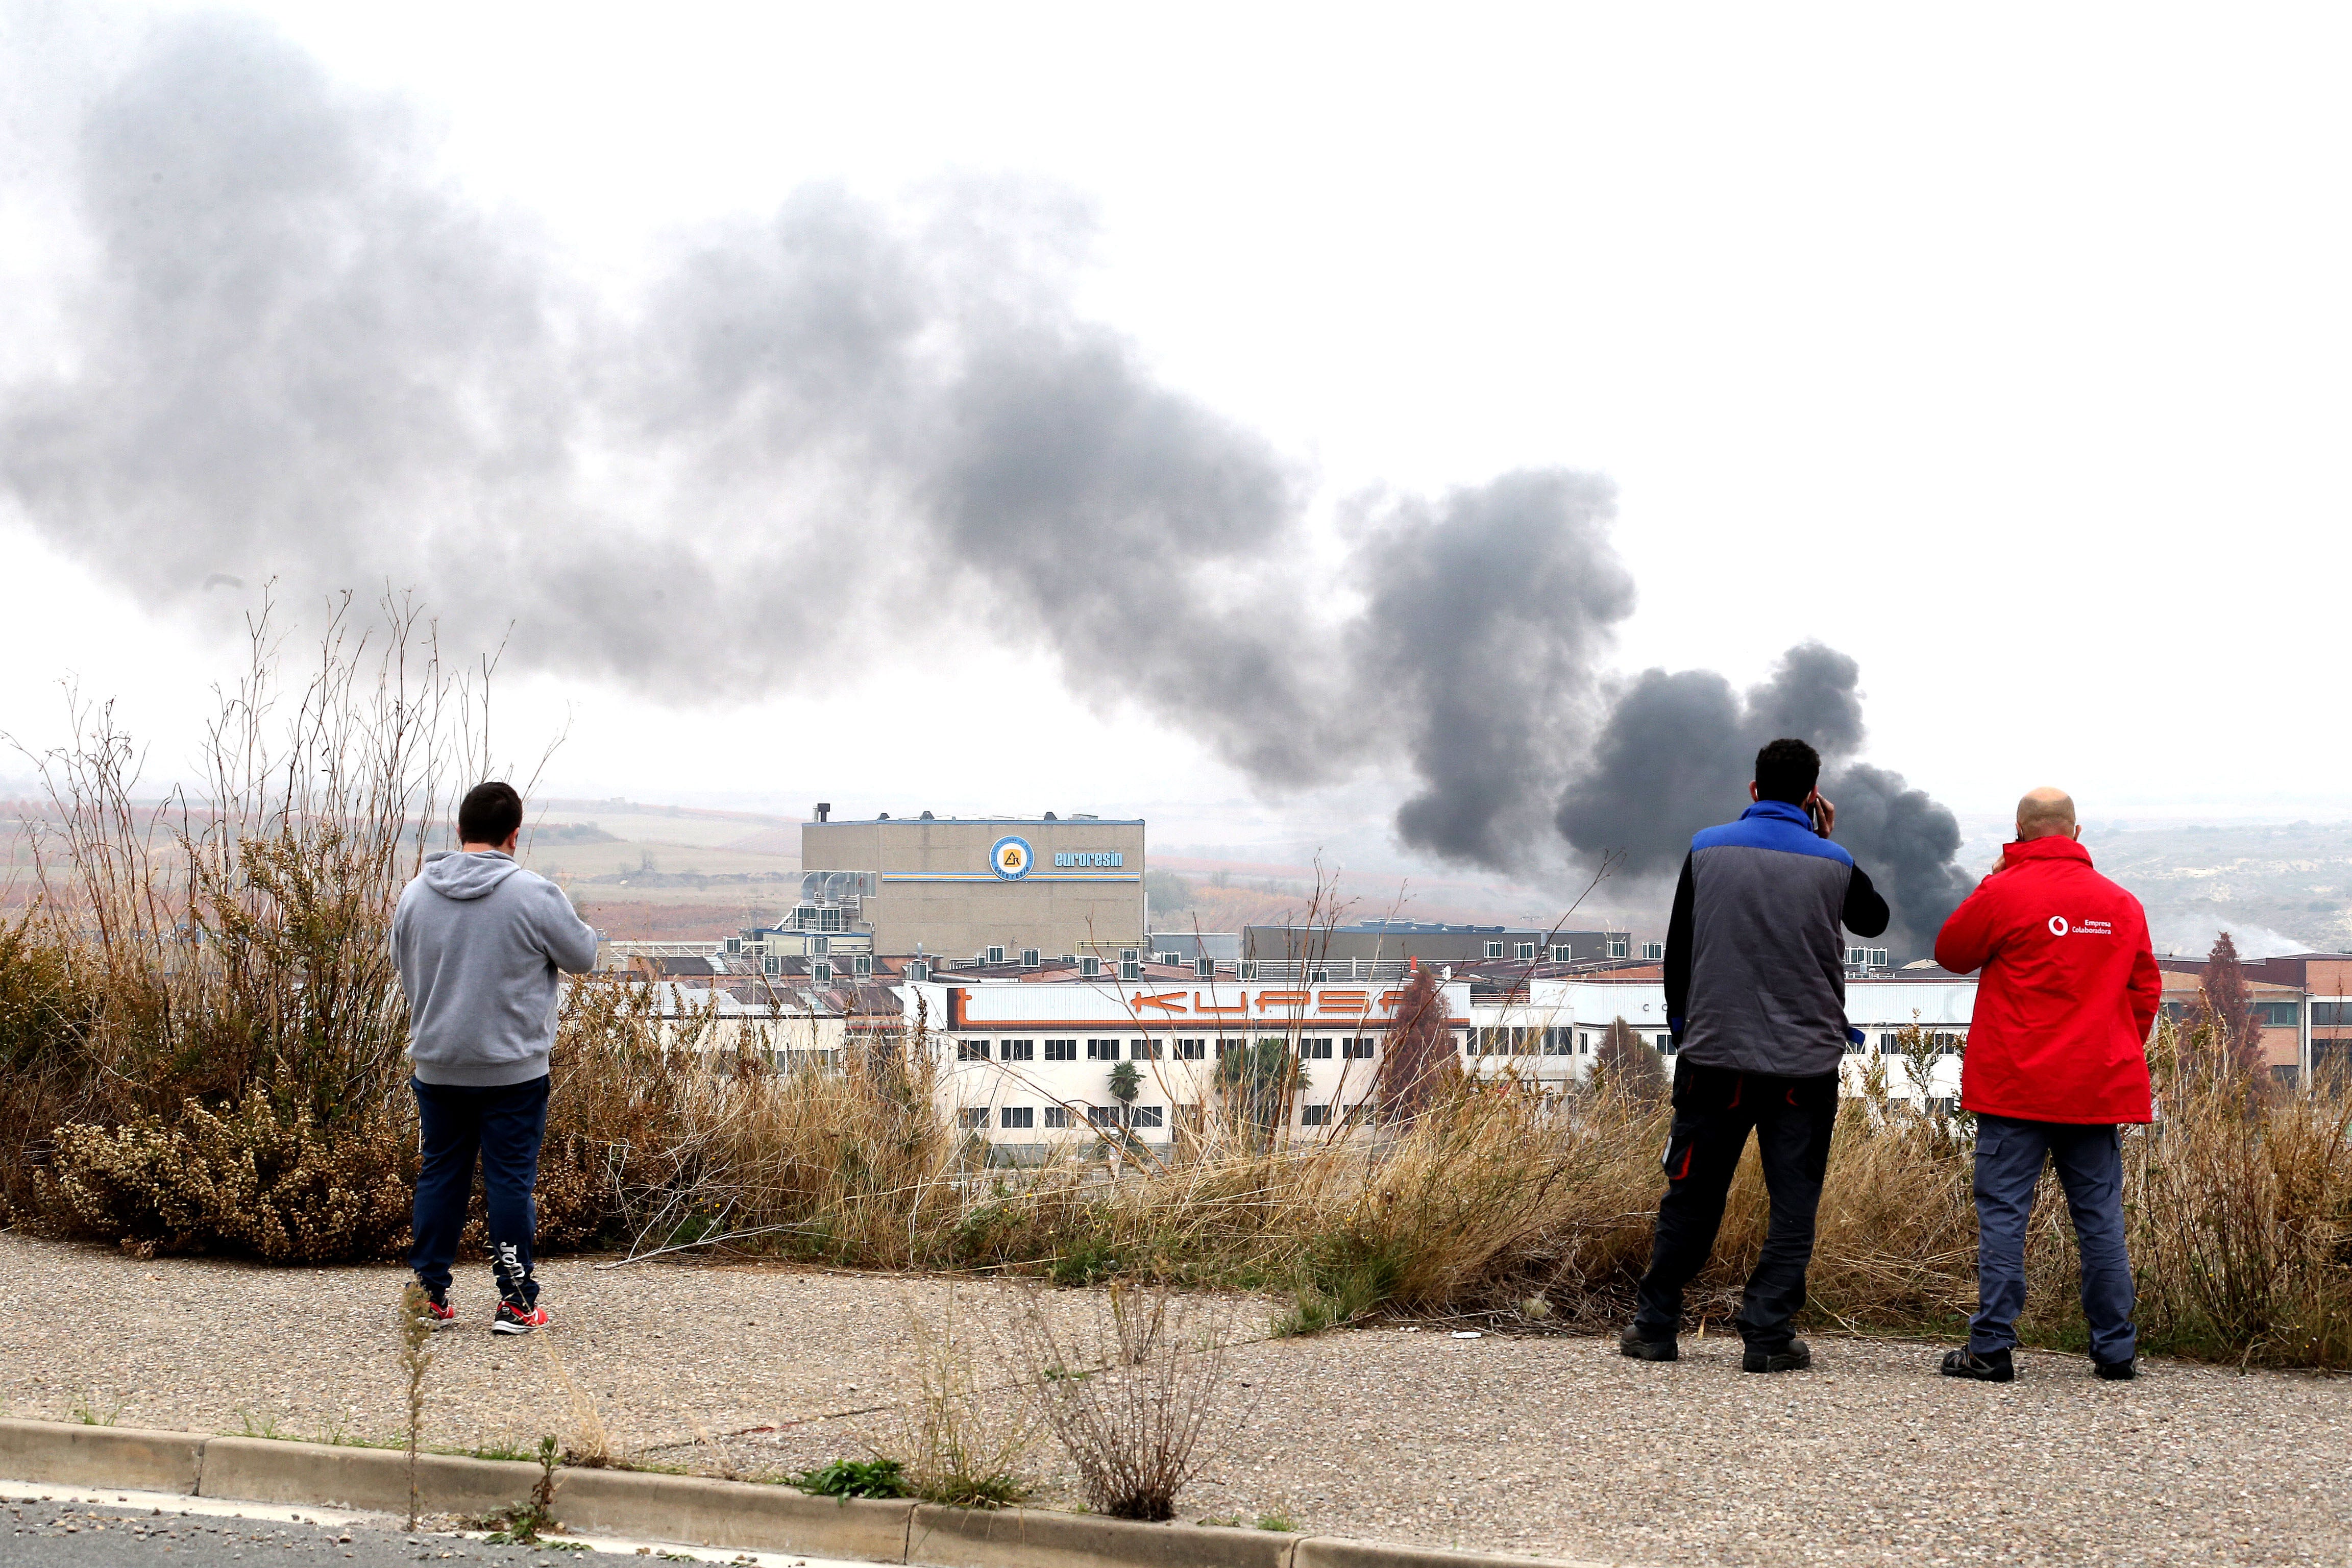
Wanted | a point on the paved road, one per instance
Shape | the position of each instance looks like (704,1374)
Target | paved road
(56,1527)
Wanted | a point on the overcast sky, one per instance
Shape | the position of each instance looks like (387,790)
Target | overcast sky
(2003,349)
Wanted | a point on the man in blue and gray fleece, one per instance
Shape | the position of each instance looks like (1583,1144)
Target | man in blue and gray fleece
(1755,1001)
(478,941)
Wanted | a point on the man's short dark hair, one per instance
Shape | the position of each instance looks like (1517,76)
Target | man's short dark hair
(1787,770)
(490,813)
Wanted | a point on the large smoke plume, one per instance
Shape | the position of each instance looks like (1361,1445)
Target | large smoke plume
(301,355)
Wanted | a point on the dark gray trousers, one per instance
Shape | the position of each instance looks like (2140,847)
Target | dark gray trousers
(2010,1157)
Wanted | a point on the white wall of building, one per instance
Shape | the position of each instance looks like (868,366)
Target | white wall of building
(1552,1033)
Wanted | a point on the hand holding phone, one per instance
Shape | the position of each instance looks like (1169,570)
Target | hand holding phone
(1824,812)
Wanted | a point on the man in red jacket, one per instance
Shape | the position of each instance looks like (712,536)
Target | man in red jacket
(2057,1056)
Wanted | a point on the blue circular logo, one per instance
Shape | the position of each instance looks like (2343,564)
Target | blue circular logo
(1010,857)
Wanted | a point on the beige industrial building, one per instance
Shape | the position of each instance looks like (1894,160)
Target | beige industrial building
(958,886)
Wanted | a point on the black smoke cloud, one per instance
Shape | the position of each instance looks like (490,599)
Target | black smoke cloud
(301,355)
(1676,753)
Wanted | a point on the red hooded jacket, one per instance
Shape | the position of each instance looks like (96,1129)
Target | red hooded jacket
(2069,990)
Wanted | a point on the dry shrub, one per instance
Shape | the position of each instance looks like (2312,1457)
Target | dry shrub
(2243,1212)
(252,1179)
(1134,1398)
(955,1439)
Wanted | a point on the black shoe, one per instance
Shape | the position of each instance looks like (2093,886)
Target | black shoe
(1794,1356)
(1632,1343)
(2121,1370)
(1992,1367)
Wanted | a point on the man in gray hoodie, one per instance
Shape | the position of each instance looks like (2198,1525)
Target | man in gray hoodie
(478,941)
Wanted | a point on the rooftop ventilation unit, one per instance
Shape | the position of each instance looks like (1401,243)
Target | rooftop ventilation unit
(823,810)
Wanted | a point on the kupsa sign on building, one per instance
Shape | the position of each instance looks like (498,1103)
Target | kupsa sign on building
(1153,1008)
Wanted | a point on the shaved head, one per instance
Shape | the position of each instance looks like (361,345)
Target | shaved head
(2044,811)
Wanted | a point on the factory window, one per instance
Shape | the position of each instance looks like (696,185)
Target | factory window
(1144,1115)
(1205,968)
(1525,949)
(1089,966)
(972,1050)
(1061,1050)
(862,964)
(1616,947)
(1583,1042)
(1192,1050)
(1019,1118)
(1102,1050)
(1562,953)
(1319,977)
(828,918)
(1028,958)
(2323,1014)
(1058,1116)
(1228,1047)
(2275,1014)
(1145,1050)
(1313,1115)
(1494,950)
(1103,1115)
(1016,1050)
(1665,1045)
(1523,1042)
(1360,1047)
(1316,1050)
(972,1118)
(995,955)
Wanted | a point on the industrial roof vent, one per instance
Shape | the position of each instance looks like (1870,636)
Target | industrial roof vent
(823,810)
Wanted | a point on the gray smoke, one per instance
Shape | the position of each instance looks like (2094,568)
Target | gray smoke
(298,354)
(1677,751)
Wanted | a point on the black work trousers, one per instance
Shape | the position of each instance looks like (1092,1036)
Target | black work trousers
(1715,1110)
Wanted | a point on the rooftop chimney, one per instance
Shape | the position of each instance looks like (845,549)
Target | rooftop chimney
(824,809)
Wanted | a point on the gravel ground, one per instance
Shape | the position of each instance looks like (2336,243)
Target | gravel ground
(1549,1444)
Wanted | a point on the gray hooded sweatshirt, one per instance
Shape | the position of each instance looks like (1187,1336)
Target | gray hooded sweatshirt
(478,941)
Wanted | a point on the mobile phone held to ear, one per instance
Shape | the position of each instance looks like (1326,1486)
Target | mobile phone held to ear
(1821,822)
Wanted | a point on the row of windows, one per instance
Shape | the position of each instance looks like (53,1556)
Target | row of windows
(1891,1044)
(1510,1040)
(1024,1118)
(1184,1049)
(1027,1118)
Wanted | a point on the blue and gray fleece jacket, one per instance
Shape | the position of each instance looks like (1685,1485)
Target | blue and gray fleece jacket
(478,941)
(1755,961)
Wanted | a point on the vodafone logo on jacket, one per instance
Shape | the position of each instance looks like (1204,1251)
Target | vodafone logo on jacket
(2058,927)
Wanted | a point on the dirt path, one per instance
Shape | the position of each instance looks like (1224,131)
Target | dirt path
(1549,1444)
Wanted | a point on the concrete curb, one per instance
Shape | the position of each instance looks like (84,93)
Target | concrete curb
(690,1510)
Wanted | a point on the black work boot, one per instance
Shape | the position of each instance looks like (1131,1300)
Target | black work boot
(1794,1356)
(2121,1370)
(1991,1366)
(1632,1343)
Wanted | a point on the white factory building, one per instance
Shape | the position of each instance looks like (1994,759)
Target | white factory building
(1030,1065)
(1549,1029)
